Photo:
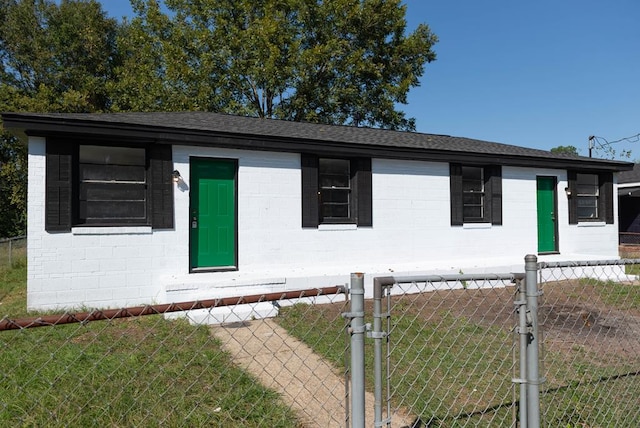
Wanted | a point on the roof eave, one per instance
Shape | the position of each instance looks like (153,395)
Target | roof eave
(52,126)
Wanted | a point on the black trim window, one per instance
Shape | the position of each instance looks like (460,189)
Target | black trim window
(334,179)
(473,193)
(107,185)
(590,197)
(476,194)
(112,185)
(336,191)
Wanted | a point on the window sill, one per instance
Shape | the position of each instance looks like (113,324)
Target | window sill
(337,227)
(476,225)
(591,224)
(117,230)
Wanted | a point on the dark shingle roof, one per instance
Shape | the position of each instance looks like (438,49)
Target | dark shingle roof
(171,125)
(632,176)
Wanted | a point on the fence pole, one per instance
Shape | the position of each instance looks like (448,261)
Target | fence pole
(533,375)
(523,334)
(379,284)
(358,330)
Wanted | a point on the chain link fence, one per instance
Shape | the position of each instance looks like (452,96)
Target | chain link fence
(13,251)
(590,319)
(150,366)
(444,350)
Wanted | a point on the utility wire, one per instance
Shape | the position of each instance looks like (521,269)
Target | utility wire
(593,140)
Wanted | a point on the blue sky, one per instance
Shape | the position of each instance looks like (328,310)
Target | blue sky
(538,74)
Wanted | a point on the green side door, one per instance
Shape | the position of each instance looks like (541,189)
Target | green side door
(213,222)
(547,225)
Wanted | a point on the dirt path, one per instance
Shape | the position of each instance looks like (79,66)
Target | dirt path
(309,384)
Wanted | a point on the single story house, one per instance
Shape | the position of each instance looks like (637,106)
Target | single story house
(629,205)
(136,208)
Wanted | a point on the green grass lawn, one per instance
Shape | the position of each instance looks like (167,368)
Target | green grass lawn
(452,359)
(144,371)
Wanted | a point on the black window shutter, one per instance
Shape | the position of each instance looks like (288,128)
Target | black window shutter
(364,192)
(161,167)
(605,201)
(59,185)
(573,199)
(495,197)
(455,180)
(309,167)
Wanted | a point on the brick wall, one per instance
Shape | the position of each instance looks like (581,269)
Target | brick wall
(411,233)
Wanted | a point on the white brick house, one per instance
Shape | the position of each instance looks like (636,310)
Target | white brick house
(134,208)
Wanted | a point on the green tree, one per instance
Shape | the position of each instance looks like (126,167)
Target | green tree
(56,57)
(333,61)
(53,57)
(13,192)
(566,150)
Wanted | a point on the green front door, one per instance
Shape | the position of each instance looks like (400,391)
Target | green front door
(213,214)
(546,201)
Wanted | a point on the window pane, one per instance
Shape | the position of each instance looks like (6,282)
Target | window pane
(121,173)
(334,173)
(332,211)
(587,184)
(335,203)
(113,210)
(472,193)
(112,164)
(471,212)
(334,177)
(472,179)
(112,192)
(587,207)
(472,199)
(334,166)
(108,155)
(587,212)
(587,197)
(335,196)
(112,186)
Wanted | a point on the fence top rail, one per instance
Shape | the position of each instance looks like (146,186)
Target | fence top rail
(587,263)
(13,238)
(110,314)
(391,280)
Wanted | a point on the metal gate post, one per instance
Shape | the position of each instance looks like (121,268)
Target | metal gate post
(379,284)
(523,334)
(533,375)
(357,330)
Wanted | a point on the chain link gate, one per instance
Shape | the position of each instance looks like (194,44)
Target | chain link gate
(452,349)
(556,346)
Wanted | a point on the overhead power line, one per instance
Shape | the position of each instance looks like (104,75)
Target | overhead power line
(603,142)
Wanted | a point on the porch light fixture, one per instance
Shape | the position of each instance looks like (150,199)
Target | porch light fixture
(567,191)
(176,176)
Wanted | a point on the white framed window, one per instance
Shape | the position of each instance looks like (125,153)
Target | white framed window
(587,192)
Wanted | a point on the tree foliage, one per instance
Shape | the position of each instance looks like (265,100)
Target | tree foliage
(13,181)
(331,61)
(334,61)
(56,57)
(53,57)
(566,150)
